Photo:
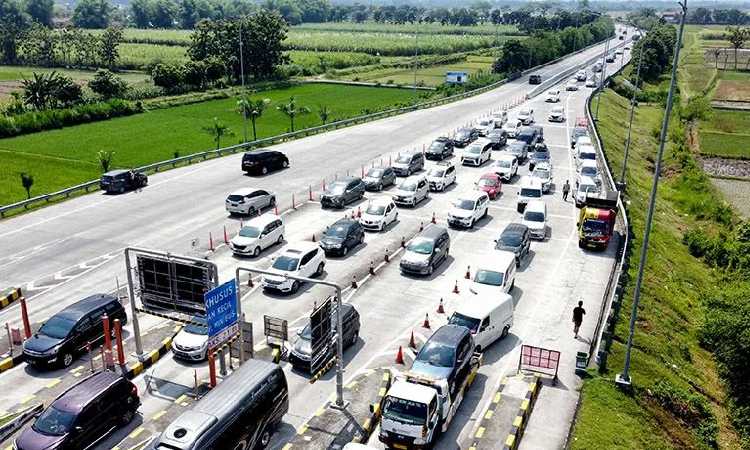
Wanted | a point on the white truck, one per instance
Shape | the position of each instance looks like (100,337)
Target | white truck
(417,408)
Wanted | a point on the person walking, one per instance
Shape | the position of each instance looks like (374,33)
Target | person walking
(578,313)
(566,190)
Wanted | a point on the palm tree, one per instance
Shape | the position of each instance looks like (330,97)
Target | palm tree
(105,159)
(292,110)
(252,109)
(217,130)
(324,113)
(27,181)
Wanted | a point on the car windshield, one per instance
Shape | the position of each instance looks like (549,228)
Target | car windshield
(404,159)
(420,245)
(337,231)
(197,326)
(408,186)
(491,182)
(588,155)
(306,333)
(286,263)
(557,110)
(54,422)
(503,163)
(375,173)
(589,171)
(437,146)
(250,232)
(511,239)
(437,354)
(464,321)
(524,112)
(376,210)
(337,188)
(484,123)
(57,327)
(531,192)
(404,411)
(541,174)
(464,204)
(517,146)
(552,93)
(235,198)
(474,149)
(533,216)
(541,155)
(579,132)
(436,173)
(592,188)
(489,277)
(463,134)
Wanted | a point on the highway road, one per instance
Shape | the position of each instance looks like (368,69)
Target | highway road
(69,250)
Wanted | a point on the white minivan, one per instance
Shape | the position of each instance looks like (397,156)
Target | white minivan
(488,319)
(535,218)
(258,234)
(495,275)
(531,189)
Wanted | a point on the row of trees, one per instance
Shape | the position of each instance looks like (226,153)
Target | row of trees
(705,16)
(657,47)
(543,46)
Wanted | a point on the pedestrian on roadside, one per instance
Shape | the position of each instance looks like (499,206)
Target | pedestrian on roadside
(578,313)
(566,190)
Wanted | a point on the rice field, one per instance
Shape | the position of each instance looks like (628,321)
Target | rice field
(427,76)
(140,56)
(421,28)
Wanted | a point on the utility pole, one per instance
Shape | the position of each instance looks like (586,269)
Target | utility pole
(623,379)
(242,81)
(632,112)
(416,52)
(601,81)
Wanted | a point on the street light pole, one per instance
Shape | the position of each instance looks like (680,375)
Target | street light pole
(632,112)
(242,81)
(601,81)
(623,379)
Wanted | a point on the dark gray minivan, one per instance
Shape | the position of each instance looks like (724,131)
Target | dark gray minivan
(240,412)
(426,251)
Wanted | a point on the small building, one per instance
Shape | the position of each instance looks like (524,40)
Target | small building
(456,77)
(671,16)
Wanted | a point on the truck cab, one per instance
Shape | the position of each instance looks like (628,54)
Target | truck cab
(596,221)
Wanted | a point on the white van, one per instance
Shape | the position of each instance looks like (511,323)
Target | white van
(488,319)
(258,234)
(582,140)
(495,275)
(535,217)
(531,189)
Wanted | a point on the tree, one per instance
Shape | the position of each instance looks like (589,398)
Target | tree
(168,76)
(252,109)
(737,37)
(50,90)
(324,113)
(217,130)
(514,56)
(13,25)
(105,159)
(292,110)
(142,11)
(39,46)
(165,13)
(92,14)
(108,85)
(40,11)
(189,15)
(27,180)
(108,51)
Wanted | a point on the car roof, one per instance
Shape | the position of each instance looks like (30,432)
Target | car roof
(412,391)
(582,139)
(346,180)
(589,163)
(445,163)
(415,178)
(470,307)
(536,206)
(528,181)
(492,175)
(114,173)
(500,259)
(262,220)
(244,191)
(481,141)
(449,334)
(301,247)
(587,180)
(80,395)
(381,200)
(85,306)
(515,228)
(505,156)
(472,195)
(432,231)
(586,148)
(344,222)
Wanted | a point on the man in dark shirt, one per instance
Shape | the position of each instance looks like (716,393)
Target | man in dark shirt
(578,313)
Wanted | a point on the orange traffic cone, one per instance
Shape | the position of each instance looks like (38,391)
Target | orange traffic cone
(313,239)
(372,268)
(400,355)
(412,343)
(359,213)
(426,323)
(434,220)
(440,309)
(386,258)
(250,281)
(468,273)
(455,287)
(226,239)
(403,242)
(421,226)
(210,242)
(354,282)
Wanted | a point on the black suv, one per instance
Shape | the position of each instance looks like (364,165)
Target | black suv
(464,137)
(498,138)
(342,192)
(440,148)
(535,79)
(342,236)
(529,135)
(300,356)
(263,162)
(119,181)
(83,415)
(69,331)
(515,238)
(446,356)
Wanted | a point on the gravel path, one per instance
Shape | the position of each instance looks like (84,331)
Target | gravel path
(737,193)
(726,167)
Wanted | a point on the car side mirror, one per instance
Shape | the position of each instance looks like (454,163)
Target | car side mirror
(78,429)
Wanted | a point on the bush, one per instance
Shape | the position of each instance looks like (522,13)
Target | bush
(107,85)
(690,407)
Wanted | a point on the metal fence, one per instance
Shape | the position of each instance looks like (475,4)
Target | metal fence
(202,156)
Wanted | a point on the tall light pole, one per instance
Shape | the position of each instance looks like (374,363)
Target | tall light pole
(242,81)
(632,112)
(623,379)
(601,81)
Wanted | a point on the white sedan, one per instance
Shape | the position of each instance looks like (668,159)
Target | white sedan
(553,96)
(379,214)
(572,85)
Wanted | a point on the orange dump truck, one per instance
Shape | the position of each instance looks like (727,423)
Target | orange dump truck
(596,221)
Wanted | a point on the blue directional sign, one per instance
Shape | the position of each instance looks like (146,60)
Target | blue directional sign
(221,313)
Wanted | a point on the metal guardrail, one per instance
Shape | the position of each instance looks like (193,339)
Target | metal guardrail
(155,167)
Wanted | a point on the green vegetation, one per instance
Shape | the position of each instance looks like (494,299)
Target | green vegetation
(422,28)
(142,56)
(427,76)
(65,157)
(679,399)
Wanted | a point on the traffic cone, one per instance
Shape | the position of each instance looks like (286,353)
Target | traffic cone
(386,258)
(434,220)
(403,242)
(276,210)
(242,223)
(359,213)
(294,206)
(412,343)
(421,226)
(372,268)
(400,355)
(426,323)
(250,281)
(354,282)
(468,273)
(455,287)
(313,237)
(210,242)
(310,192)
(440,309)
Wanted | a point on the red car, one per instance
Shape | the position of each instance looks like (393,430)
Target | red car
(491,184)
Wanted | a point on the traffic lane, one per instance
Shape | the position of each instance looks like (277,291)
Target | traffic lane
(182,192)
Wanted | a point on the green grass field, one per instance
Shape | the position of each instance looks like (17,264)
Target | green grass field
(140,56)
(65,157)
(423,28)
(666,344)
(18,73)
(429,76)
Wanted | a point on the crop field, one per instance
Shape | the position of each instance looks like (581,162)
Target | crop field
(140,56)
(428,76)
(422,28)
(332,60)
(733,86)
(65,157)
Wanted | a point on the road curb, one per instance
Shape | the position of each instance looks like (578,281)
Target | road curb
(10,362)
(150,358)
(13,295)
(522,417)
(371,422)
(483,423)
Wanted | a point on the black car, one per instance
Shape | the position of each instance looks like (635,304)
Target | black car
(464,137)
(515,238)
(264,161)
(440,148)
(342,236)
(539,132)
(379,177)
(83,415)
(498,138)
(541,154)
(119,181)
(300,356)
(529,135)
(446,356)
(535,79)
(519,149)
(342,192)
(67,333)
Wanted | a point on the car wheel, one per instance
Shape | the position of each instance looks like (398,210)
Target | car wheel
(505,332)
(251,211)
(430,269)
(272,202)
(355,338)
(280,239)
(67,359)
(518,262)
(319,270)
(471,224)
(380,187)
(408,172)
(285,164)
(512,285)
(127,417)
(256,252)
(295,286)
(265,439)
(345,251)
(264,170)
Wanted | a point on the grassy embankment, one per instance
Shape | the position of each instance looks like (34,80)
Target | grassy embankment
(679,399)
(68,156)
